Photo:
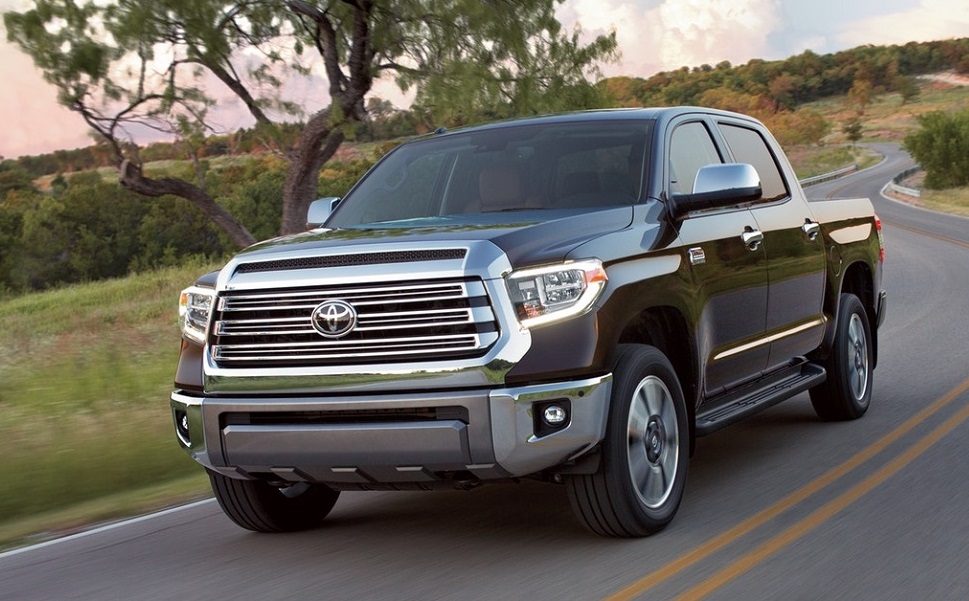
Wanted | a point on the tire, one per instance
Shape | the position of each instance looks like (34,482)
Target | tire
(846,393)
(642,473)
(261,507)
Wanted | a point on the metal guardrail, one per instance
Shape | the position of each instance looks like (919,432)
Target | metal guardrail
(817,179)
(894,185)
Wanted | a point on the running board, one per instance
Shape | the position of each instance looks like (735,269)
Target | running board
(734,406)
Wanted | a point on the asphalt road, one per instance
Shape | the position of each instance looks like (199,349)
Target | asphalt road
(781,506)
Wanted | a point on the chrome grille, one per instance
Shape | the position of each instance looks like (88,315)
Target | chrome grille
(395,322)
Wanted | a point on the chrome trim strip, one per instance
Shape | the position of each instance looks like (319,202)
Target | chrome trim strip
(769,339)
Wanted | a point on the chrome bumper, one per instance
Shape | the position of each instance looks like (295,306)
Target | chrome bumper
(391,438)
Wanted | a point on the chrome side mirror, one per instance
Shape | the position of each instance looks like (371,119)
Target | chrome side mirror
(320,210)
(719,186)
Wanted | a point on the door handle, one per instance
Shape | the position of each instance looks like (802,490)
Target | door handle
(752,238)
(811,229)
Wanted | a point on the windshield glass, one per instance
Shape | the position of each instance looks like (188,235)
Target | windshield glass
(514,168)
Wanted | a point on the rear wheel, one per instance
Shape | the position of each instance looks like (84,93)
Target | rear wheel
(261,507)
(846,393)
(642,474)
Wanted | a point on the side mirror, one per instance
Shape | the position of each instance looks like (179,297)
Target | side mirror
(719,186)
(320,210)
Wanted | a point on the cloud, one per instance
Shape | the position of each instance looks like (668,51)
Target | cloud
(930,20)
(668,34)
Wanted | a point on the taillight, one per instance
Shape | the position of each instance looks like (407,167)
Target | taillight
(881,239)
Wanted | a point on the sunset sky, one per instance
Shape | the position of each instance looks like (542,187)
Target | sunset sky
(654,35)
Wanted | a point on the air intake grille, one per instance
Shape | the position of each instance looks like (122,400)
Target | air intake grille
(350,260)
(395,322)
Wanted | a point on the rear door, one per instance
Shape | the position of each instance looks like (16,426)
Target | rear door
(792,240)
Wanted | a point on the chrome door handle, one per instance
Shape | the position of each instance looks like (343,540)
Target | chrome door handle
(752,238)
(811,229)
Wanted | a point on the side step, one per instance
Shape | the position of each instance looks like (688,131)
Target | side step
(735,405)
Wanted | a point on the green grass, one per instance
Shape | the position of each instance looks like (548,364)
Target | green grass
(86,375)
(809,161)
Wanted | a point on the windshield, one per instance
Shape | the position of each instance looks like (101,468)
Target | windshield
(516,168)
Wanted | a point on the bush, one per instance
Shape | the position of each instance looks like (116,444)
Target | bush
(941,146)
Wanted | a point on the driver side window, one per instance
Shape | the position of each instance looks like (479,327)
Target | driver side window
(691,147)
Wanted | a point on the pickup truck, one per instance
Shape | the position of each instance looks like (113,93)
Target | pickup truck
(571,298)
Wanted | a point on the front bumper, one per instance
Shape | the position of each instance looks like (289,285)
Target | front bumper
(416,437)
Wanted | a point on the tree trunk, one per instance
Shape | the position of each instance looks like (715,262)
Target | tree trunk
(317,145)
(132,178)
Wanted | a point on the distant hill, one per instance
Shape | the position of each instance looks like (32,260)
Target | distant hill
(789,83)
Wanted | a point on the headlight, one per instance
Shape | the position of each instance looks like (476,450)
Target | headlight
(545,294)
(194,308)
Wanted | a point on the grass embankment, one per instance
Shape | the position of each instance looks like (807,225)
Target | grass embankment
(85,428)
(809,161)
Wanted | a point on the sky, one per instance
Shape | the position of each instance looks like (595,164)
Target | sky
(653,36)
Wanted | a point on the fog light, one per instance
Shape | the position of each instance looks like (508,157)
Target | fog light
(554,415)
(181,424)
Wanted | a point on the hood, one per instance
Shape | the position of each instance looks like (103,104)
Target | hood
(526,237)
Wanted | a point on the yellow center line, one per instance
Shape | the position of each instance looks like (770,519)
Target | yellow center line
(829,510)
(729,536)
(921,232)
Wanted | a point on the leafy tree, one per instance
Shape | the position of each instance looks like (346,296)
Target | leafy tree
(14,177)
(941,146)
(803,126)
(141,62)
(907,87)
(852,129)
(860,94)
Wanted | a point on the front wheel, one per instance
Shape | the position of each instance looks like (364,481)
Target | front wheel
(261,507)
(846,393)
(642,474)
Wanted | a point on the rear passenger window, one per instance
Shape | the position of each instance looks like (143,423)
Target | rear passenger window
(748,146)
(691,147)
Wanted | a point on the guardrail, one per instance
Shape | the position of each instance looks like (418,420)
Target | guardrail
(894,185)
(817,179)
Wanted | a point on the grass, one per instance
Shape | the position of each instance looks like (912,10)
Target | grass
(809,161)
(953,200)
(86,374)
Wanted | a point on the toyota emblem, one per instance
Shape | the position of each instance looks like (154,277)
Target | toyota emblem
(334,318)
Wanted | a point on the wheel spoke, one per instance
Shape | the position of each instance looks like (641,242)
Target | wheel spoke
(654,394)
(638,417)
(654,488)
(639,470)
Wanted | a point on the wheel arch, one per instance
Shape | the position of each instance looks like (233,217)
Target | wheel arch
(665,328)
(858,279)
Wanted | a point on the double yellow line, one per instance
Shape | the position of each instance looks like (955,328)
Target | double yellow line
(775,544)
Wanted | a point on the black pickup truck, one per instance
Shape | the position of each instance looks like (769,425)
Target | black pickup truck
(571,298)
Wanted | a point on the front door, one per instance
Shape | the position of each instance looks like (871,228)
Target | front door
(729,269)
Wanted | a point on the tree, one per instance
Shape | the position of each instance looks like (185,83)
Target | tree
(143,63)
(941,147)
(907,87)
(860,94)
(852,129)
